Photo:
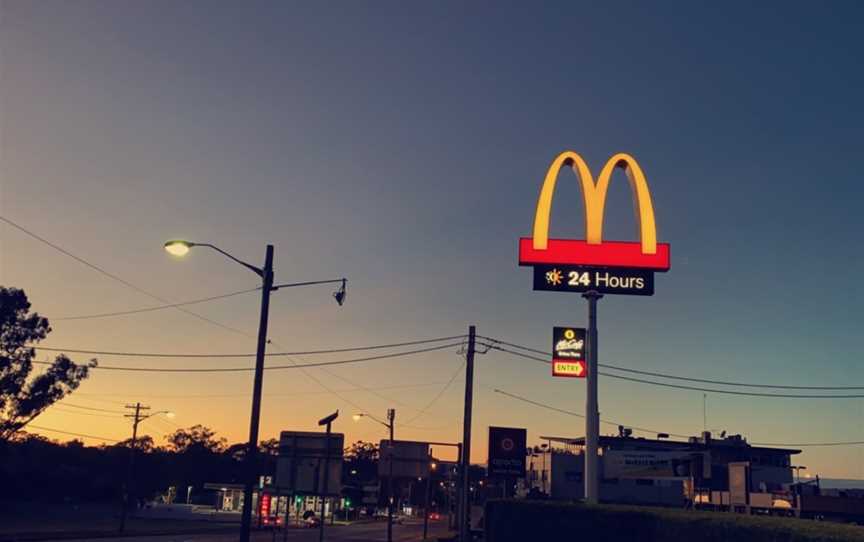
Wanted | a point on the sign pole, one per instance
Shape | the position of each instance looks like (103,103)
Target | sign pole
(592,409)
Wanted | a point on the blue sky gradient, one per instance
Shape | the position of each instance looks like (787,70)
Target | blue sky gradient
(404,146)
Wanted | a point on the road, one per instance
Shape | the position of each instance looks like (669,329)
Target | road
(411,531)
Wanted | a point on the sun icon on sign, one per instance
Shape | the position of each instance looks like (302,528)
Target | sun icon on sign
(554,277)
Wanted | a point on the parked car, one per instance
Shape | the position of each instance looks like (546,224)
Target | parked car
(310,519)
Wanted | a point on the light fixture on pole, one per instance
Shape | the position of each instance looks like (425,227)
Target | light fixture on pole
(180,248)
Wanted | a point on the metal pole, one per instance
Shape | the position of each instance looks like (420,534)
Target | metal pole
(426,503)
(465,460)
(391,416)
(592,410)
(455,495)
(326,479)
(252,446)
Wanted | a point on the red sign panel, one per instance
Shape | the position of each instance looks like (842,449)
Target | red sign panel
(606,254)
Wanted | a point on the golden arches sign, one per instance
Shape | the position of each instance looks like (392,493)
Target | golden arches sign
(539,249)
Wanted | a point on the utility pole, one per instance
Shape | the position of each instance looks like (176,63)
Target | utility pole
(252,447)
(129,489)
(592,410)
(391,417)
(465,459)
(428,497)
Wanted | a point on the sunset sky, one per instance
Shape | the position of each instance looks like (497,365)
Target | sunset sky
(403,146)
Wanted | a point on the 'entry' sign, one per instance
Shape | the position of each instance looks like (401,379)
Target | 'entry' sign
(568,352)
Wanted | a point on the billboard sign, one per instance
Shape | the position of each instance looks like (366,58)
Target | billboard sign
(300,467)
(410,459)
(568,352)
(646,464)
(592,264)
(507,452)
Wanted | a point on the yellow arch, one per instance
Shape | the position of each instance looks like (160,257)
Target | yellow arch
(594,199)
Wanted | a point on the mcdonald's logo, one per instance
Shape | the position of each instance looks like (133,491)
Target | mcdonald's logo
(647,254)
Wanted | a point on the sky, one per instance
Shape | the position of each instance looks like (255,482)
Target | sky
(402,145)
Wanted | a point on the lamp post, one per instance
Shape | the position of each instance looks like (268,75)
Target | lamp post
(328,421)
(180,248)
(391,416)
(432,467)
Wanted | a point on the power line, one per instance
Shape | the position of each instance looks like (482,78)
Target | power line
(90,408)
(438,396)
(271,354)
(59,408)
(692,388)
(152,309)
(674,377)
(246,395)
(270,368)
(570,413)
(133,286)
(119,279)
(106,439)
(777,444)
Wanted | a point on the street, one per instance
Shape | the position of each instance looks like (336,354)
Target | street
(357,532)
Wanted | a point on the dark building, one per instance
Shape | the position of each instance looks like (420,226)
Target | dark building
(658,471)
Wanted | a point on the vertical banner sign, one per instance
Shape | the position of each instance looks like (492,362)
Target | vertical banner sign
(568,352)
(507,452)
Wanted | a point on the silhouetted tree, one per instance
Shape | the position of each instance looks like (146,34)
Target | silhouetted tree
(361,462)
(22,398)
(144,444)
(196,439)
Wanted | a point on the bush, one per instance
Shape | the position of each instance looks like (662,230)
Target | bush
(525,521)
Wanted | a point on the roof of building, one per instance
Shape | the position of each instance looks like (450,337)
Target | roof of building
(696,443)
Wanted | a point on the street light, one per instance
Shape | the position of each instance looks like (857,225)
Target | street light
(391,416)
(180,248)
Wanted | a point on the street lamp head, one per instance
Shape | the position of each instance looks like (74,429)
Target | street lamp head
(170,414)
(178,247)
(341,293)
(356,417)
(329,419)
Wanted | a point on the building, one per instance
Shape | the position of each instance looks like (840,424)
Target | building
(658,471)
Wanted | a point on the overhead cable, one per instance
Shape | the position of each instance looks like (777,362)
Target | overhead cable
(269,368)
(692,388)
(121,280)
(152,309)
(687,379)
(106,439)
(250,355)
(778,444)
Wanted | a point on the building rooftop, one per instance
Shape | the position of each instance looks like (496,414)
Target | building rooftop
(694,443)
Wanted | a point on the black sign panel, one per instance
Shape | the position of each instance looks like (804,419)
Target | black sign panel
(605,280)
(507,452)
(568,352)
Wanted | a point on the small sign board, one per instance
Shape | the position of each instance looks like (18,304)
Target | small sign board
(568,352)
(507,452)
(604,280)
(647,464)
(303,455)
(410,459)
